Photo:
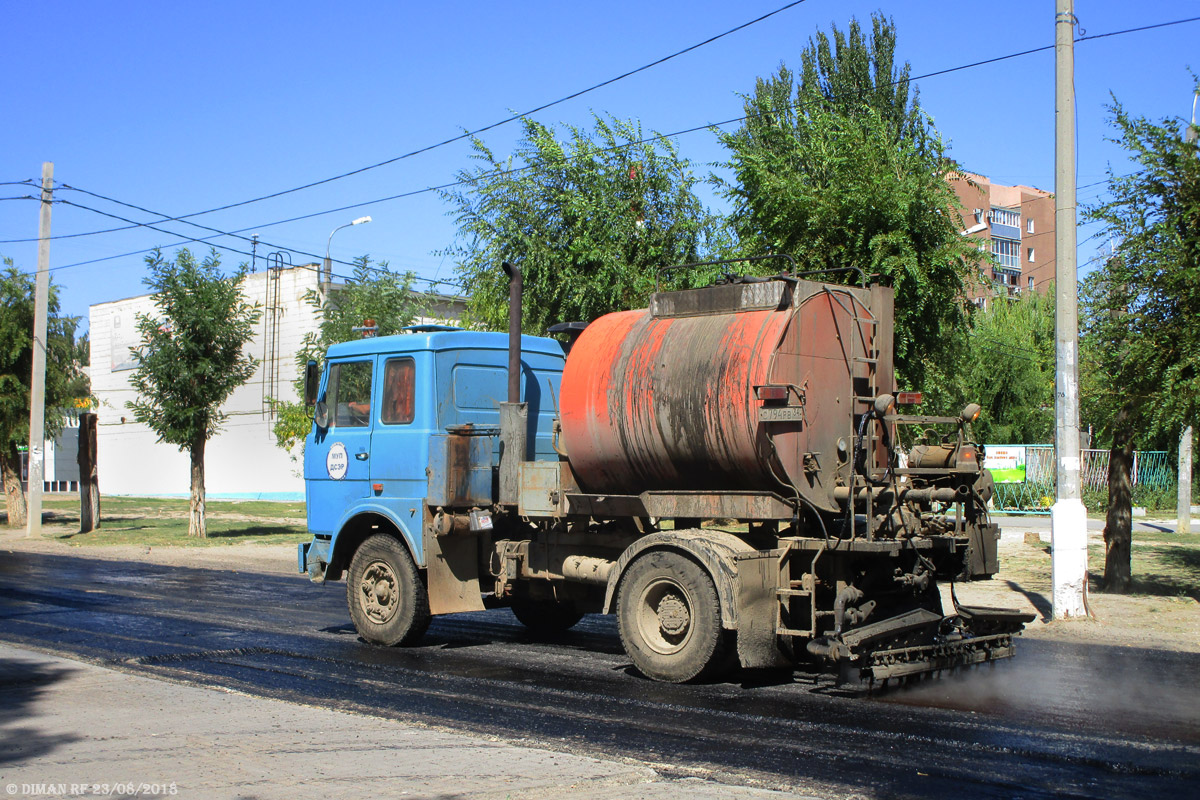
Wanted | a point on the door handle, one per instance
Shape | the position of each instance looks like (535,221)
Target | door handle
(362,456)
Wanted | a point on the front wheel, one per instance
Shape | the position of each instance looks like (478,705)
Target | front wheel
(388,601)
(669,617)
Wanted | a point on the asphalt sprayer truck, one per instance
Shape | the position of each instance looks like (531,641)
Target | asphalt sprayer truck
(721,470)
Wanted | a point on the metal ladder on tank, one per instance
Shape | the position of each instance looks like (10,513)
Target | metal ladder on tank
(869,357)
(806,586)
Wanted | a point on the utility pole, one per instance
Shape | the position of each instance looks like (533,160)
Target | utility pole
(1184,507)
(1068,517)
(37,382)
(1185,481)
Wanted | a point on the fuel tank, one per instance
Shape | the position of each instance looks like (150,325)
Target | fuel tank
(744,386)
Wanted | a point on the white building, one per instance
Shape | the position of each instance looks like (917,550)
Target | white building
(242,460)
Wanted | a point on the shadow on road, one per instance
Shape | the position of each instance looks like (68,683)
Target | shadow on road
(1039,601)
(22,684)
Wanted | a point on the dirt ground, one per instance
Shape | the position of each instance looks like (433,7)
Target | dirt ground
(1166,621)
(1169,621)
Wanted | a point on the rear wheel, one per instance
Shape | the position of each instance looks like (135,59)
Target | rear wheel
(388,601)
(669,617)
(546,617)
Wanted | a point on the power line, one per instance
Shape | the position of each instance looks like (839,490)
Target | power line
(216,231)
(465,134)
(234,249)
(572,96)
(644,140)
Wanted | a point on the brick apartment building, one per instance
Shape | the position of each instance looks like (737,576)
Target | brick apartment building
(1018,224)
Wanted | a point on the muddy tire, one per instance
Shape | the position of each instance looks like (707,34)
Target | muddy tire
(546,617)
(669,617)
(388,601)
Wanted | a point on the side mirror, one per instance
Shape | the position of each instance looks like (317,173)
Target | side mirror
(321,415)
(312,381)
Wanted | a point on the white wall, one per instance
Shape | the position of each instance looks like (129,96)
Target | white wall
(242,460)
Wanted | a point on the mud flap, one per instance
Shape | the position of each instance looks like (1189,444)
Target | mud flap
(452,572)
(758,602)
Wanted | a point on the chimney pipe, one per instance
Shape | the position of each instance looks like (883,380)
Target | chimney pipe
(515,289)
(514,415)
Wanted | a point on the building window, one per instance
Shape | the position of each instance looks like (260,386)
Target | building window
(1031,283)
(1029,225)
(1007,253)
(1007,277)
(1030,255)
(1005,216)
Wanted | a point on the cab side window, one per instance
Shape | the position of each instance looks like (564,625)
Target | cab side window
(398,391)
(349,394)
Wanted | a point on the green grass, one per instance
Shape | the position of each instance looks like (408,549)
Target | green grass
(163,522)
(1163,564)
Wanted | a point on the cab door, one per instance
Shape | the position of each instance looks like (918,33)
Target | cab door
(337,468)
(400,441)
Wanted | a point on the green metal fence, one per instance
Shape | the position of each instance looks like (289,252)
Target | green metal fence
(1035,494)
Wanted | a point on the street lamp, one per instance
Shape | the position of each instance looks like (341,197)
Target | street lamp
(328,264)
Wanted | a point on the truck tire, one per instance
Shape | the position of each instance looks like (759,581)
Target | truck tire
(546,617)
(669,617)
(388,600)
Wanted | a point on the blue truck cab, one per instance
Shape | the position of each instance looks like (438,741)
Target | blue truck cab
(394,415)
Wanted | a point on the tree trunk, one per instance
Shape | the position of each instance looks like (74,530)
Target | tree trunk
(89,483)
(1118,526)
(196,525)
(10,469)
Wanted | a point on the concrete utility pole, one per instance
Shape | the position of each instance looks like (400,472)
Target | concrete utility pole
(37,382)
(1184,507)
(1185,482)
(1068,517)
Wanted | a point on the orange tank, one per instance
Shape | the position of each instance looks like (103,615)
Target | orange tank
(745,386)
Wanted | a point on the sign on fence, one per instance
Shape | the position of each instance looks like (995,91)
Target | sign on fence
(1007,462)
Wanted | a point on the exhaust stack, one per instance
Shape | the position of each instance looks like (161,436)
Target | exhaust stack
(514,415)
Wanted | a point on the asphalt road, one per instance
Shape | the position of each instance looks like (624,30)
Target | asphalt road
(1059,720)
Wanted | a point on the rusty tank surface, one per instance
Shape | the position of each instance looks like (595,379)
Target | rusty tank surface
(749,385)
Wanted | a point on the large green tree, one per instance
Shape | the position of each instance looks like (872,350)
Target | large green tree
(588,220)
(1141,312)
(840,168)
(371,293)
(65,381)
(1003,360)
(191,357)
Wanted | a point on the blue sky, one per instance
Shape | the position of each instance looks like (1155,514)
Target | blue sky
(184,107)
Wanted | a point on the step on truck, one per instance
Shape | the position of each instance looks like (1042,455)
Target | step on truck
(721,470)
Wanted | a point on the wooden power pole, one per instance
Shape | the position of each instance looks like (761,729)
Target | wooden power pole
(37,383)
(1068,517)
(89,482)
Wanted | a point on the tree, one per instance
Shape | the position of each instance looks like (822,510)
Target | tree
(589,221)
(65,381)
(372,293)
(191,357)
(1004,360)
(841,169)
(1141,312)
